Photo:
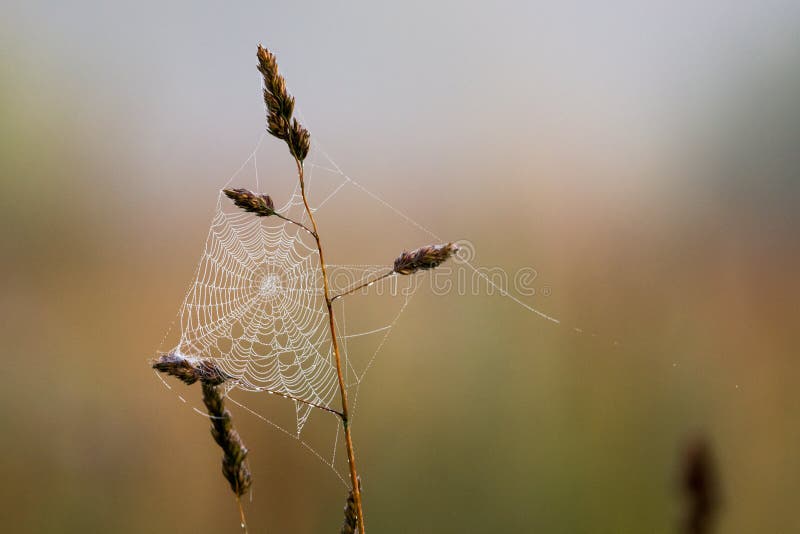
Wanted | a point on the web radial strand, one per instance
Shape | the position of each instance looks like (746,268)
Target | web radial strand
(256,309)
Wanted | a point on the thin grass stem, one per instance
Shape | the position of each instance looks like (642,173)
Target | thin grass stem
(351,458)
(301,225)
(241,514)
(365,284)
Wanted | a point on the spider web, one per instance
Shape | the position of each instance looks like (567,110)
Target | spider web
(256,305)
(257,308)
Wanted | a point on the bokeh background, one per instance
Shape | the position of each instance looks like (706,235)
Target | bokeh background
(641,156)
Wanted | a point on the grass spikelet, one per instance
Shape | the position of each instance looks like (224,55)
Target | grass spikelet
(234,451)
(249,201)
(350,513)
(280,107)
(189,370)
(427,257)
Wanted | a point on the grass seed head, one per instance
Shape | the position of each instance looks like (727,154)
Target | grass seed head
(427,257)
(234,452)
(280,107)
(350,513)
(189,370)
(259,204)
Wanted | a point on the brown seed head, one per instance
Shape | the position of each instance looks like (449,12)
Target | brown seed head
(280,106)
(427,257)
(350,513)
(210,376)
(299,140)
(234,451)
(189,370)
(261,205)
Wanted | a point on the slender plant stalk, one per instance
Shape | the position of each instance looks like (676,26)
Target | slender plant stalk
(242,518)
(282,125)
(351,457)
(301,225)
(365,284)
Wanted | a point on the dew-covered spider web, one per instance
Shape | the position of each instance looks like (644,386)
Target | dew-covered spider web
(256,305)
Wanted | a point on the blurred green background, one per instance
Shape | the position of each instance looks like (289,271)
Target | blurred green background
(641,156)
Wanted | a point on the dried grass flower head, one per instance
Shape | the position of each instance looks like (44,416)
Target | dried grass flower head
(234,467)
(350,513)
(427,257)
(280,107)
(259,204)
(189,370)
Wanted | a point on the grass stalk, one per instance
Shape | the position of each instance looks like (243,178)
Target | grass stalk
(345,414)
(363,285)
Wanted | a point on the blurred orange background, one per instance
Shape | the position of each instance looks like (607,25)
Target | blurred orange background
(642,158)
